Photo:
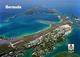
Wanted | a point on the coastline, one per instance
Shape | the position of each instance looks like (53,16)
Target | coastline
(21,36)
(43,22)
(46,22)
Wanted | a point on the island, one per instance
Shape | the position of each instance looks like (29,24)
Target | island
(42,42)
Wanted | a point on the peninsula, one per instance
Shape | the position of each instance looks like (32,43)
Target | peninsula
(42,42)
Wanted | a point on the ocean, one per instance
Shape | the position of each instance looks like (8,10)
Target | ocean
(25,25)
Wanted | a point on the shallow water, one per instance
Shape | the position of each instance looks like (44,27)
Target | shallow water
(27,25)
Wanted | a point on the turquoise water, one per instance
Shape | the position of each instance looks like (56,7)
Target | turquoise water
(24,25)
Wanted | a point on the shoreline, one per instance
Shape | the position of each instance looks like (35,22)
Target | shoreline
(21,36)
(43,22)
(29,34)
(46,22)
